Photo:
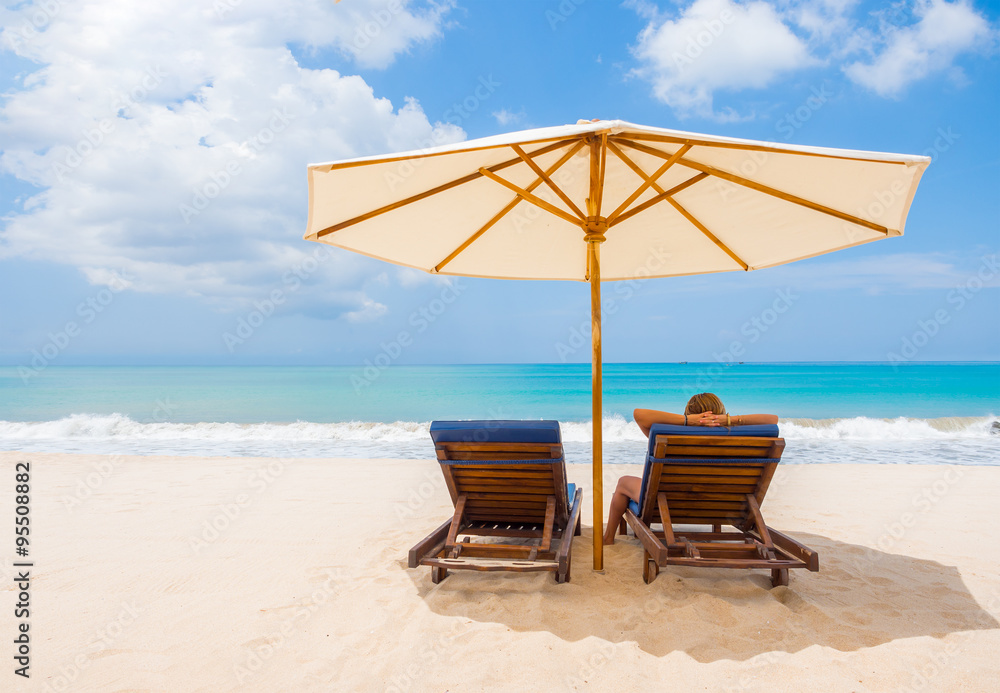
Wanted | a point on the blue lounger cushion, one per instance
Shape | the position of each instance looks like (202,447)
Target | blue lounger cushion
(500,431)
(756,431)
(495,431)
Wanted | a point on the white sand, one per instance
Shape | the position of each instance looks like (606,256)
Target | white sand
(306,587)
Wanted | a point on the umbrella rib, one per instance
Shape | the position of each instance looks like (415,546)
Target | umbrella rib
(634,166)
(548,181)
(433,191)
(659,198)
(600,183)
(711,236)
(503,212)
(750,147)
(760,187)
(596,189)
(533,199)
(647,180)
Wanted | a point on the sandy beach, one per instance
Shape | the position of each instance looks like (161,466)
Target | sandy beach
(218,574)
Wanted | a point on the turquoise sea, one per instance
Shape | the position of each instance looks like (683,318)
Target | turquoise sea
(830,412)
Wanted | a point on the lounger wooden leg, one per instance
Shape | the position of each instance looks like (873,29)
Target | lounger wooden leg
(650,569)
(579,527)
(562,572)
(623,527)
(438,574)
(779,577)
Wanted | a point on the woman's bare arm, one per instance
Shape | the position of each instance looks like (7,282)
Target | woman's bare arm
(753,419)
(647,417)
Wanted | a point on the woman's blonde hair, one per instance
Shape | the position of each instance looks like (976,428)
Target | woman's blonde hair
(703,402)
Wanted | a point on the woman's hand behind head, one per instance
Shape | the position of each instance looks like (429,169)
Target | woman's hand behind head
(706,418)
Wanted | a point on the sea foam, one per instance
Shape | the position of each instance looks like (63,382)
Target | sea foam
(94,427)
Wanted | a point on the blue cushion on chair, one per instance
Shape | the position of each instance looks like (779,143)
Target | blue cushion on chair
(633,506)
(756,431)
(495,431)
(499,431)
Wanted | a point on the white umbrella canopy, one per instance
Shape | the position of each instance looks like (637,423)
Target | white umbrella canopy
(608,200)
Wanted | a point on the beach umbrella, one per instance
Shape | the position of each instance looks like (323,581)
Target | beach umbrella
(608,200)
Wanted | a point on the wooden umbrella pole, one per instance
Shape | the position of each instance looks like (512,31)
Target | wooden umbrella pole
(594,227)
(594,253)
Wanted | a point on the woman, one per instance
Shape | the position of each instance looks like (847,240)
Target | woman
(704,409)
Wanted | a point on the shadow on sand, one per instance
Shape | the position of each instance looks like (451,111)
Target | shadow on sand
(860,598)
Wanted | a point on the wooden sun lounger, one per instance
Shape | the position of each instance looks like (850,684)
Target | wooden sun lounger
(507,479)
(712,477)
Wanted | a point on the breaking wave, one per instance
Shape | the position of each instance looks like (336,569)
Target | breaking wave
(971,440)
(616,428)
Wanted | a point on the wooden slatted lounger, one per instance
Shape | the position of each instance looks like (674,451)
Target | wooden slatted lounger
(506,479)
(718,477)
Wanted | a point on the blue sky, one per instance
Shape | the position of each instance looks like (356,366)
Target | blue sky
(116,117)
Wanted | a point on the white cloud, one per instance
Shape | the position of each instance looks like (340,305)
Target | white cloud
(823,19)
(169,140)
(710,46)
(506,117)
(716,45)
(945,30)
(368,312)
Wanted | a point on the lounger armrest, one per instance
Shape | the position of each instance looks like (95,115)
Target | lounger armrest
(644,534)
(574,514)
(427,544)
(800,551)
